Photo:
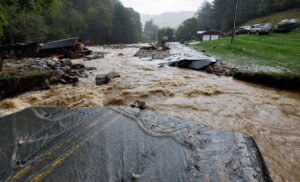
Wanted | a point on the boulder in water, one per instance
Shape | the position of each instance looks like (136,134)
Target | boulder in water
(102,79)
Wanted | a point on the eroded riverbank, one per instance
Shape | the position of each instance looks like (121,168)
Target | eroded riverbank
(271,116)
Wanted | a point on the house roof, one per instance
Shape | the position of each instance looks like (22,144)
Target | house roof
(63,43)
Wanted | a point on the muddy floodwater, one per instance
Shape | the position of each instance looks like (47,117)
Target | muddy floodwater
(271,116)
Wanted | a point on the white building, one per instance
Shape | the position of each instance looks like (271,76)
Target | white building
(209,35)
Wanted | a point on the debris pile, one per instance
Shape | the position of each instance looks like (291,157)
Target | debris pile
(219,69)
(204,64)
(153,51)
(67,70)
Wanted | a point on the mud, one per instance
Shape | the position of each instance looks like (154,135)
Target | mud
(269,115)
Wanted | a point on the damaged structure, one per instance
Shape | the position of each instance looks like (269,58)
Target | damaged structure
(122,144)
(64,48)
(68,48)
(35,66)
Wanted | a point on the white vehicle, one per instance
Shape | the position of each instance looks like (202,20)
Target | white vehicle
(243,30)
(261,28)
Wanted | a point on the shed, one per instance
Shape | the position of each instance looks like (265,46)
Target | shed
(209,35)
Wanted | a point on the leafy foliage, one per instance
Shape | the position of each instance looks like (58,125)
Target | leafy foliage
(100,21)
(168,33)
(187,30)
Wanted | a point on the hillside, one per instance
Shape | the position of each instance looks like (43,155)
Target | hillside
(275,18)
(170,19)
(272,59)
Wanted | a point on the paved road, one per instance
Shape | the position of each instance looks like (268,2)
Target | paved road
(121,144)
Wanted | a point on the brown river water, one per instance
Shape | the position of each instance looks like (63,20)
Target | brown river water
(271,116)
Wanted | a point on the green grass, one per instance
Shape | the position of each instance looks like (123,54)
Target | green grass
(278,53)
(13,71)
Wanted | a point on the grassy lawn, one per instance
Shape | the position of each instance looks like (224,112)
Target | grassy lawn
(274,53)
(13,71)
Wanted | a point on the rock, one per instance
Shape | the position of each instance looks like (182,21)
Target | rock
(123,144)
(50,64)
(95,55)
(120,54)
(69,79)
(113,75)
(66,62)
(102,79)
(78,66)
(83,75)
(91,68)
(65,69)
(55,79)
(139,104)
(150,47)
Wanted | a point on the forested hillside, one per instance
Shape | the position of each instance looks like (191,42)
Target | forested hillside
(100,21)
(218,14)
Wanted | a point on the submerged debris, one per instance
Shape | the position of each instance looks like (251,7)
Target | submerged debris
(153,52)
(94,55)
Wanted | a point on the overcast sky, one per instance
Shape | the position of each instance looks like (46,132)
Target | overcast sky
(154,7)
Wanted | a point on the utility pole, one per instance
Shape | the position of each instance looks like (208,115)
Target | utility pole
(234,22)
(156,36)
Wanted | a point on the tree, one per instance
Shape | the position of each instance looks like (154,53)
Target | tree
(169,33)
(22,6)
(99,20)
(94,20)
(150,30)
(126,26)
(205,17)
(187,30)
(218,14)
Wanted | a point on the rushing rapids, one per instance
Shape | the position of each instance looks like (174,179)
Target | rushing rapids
(271,117)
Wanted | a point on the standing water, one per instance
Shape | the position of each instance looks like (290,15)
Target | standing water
(271,116)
